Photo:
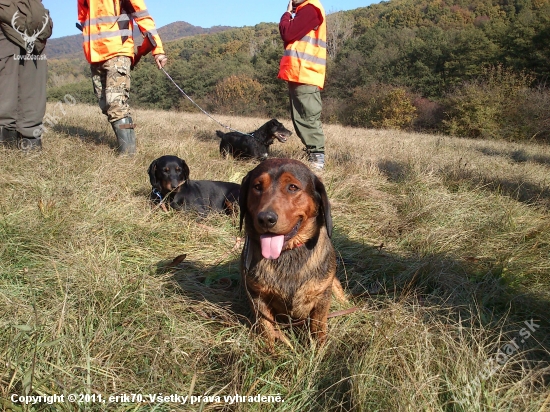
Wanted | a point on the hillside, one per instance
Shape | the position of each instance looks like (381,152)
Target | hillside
(474,69)
(443,244)
(71,46)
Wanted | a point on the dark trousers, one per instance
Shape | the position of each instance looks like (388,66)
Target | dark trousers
(22,90)
(306,106)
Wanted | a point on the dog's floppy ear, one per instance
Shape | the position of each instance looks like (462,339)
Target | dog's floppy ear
(243,195)
(184,170)
(153,174)
(325,204)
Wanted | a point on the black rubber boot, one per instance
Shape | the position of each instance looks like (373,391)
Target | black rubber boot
(126,137)
(8,137)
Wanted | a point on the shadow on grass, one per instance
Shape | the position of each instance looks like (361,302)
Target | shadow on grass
(456,175)
(217,284)
(370,272)
(394,171)
(472,292)
(475,284)
(521,190)
(518,156)
(86,135)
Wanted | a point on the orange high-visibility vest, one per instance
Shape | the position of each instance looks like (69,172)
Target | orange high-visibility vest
(107,29)
(305,60)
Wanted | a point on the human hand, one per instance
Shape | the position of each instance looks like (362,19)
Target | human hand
(289,7)
(161,60)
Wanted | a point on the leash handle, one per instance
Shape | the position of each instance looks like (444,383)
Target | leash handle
(200,108)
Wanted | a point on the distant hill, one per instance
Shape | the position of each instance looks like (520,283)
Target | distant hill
(179,29)
(69,46)
(66,46)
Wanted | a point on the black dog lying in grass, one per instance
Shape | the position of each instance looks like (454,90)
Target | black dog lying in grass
(254,145)
(169,176)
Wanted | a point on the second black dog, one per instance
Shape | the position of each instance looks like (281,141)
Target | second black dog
(254,145)
(169,176)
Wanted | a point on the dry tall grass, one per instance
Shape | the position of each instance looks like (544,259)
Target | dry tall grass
(444,242)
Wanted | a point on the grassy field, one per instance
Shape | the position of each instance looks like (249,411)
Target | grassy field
(443,243)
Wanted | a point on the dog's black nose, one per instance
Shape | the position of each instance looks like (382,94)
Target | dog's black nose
(267,219)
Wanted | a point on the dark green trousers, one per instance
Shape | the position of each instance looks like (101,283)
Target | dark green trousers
(23,90)
(306,106)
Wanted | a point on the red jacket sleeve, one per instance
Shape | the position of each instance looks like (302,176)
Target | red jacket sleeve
(82,10)
(292,29)
(146,23)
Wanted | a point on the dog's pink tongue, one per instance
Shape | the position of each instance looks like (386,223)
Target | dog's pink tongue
(272,245)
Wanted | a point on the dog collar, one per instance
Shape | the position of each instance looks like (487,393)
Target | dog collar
(157,193)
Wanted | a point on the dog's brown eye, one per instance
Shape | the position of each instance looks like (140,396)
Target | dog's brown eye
(293,188)
(178,169)
(258,187)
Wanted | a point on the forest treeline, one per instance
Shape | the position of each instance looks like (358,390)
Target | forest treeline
(467,68)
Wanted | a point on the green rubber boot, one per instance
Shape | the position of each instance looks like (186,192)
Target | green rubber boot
(126,137)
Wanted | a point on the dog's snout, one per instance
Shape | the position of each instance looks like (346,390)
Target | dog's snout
(174,183)
(267,219)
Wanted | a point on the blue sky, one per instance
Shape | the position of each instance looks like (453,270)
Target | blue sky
(205,13)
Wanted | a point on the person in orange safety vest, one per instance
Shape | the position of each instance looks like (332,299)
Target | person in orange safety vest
(107,27)
(303,66)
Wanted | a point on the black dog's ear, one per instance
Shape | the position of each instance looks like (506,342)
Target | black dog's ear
(325,204)
(184,170)
(153,174)
(243,195)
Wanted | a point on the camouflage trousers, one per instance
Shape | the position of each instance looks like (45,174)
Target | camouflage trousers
(111,80)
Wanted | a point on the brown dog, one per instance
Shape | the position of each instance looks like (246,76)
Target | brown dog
(288,263)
